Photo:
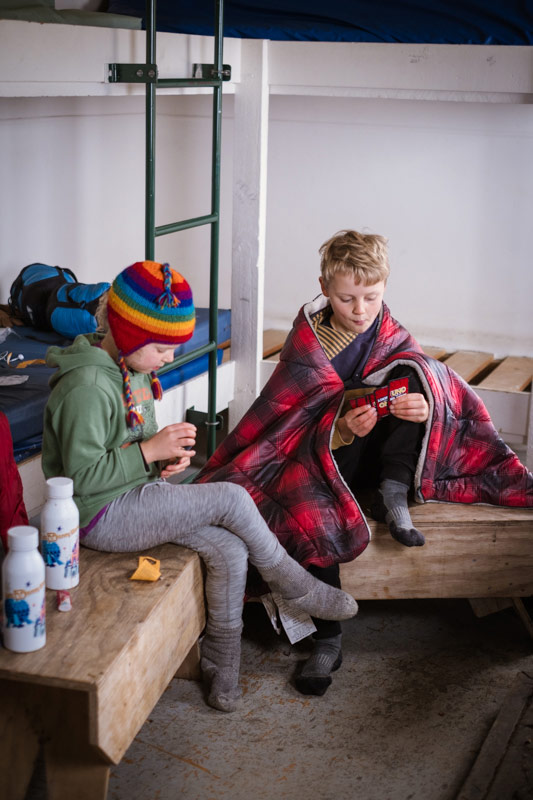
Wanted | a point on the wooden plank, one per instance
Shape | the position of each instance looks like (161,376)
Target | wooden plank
(434,352)
(114,645)
(20,743)
(469,363)
(273,341)
(490,778)
(482,606)
(514,779)
(103,605)
(133,684)
(523,613)
(189,669)
(512,375)
(470,551)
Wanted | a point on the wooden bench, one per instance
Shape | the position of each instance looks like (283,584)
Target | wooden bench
(87,693)
(476,552)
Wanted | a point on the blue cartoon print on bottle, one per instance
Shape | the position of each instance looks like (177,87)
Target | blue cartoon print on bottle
(51,553)
(17,613)
(72,567)
(40,622)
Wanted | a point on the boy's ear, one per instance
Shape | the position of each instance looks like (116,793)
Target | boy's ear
(323,286)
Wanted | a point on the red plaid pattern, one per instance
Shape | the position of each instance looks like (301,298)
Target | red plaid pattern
(280,450)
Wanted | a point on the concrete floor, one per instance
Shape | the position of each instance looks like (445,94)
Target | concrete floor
(421,684)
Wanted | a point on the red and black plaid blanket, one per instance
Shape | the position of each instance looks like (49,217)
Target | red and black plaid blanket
(12,510)
(280,450)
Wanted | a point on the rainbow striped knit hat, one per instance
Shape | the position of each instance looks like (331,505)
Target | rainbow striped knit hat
(148,302)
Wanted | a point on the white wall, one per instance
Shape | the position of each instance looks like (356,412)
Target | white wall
(72,177)
(449,184)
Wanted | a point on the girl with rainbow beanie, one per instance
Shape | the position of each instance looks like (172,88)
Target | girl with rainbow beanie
(100,430)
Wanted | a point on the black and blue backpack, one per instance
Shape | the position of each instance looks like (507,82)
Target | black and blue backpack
(52,299)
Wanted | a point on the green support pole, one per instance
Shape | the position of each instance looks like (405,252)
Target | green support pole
(215,226)
(212,219)
(149,235)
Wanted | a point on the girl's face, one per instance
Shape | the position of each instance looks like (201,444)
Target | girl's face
(354,305)
(151,357)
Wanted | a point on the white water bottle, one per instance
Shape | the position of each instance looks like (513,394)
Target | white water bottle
(23,592)
(60,521)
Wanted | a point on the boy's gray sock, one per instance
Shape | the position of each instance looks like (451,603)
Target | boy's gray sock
(397,514)
(306,593)
(220,664)
(326,657)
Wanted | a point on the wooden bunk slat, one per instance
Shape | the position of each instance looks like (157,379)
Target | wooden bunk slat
(469,363)
(434,352)
(273,341)
(512,375)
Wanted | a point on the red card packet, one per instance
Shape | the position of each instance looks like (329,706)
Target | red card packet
(357,402)
(381,397)
(398,387)
(382,401)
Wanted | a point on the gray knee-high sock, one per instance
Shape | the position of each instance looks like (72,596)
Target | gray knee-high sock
(397,515)
(220,664)
(306,593)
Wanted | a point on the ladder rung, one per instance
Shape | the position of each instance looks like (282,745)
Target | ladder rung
(194,222)
(183,83)
(179,361)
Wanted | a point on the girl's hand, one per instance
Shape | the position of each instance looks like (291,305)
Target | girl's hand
(412,407)
(169,444)
(176,467)
(357,421)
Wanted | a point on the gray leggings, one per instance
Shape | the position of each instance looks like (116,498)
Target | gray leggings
(218,520)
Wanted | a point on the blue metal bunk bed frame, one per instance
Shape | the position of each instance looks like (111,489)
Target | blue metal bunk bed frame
(205,76)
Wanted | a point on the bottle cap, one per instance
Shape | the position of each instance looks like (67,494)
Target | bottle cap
(59,487)
(22,537)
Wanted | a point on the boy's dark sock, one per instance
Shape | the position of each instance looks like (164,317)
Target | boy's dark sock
(326,657)
(391,507)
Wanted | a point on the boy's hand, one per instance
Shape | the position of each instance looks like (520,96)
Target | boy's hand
(169,444)
(412,407)
(357,421)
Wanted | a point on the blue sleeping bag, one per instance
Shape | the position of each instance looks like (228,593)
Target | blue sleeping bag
(52,299)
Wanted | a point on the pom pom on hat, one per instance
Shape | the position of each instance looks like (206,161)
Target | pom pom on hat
(148,303)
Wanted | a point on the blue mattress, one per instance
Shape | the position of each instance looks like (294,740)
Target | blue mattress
(23,403)
(495,22)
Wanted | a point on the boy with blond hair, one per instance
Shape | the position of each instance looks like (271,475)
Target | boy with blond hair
(329,423)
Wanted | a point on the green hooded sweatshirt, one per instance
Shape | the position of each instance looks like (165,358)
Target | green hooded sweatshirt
(85,434)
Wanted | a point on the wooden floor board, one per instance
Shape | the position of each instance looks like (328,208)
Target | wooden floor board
(502,769)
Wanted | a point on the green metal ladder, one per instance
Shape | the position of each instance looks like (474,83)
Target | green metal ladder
(205,76)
